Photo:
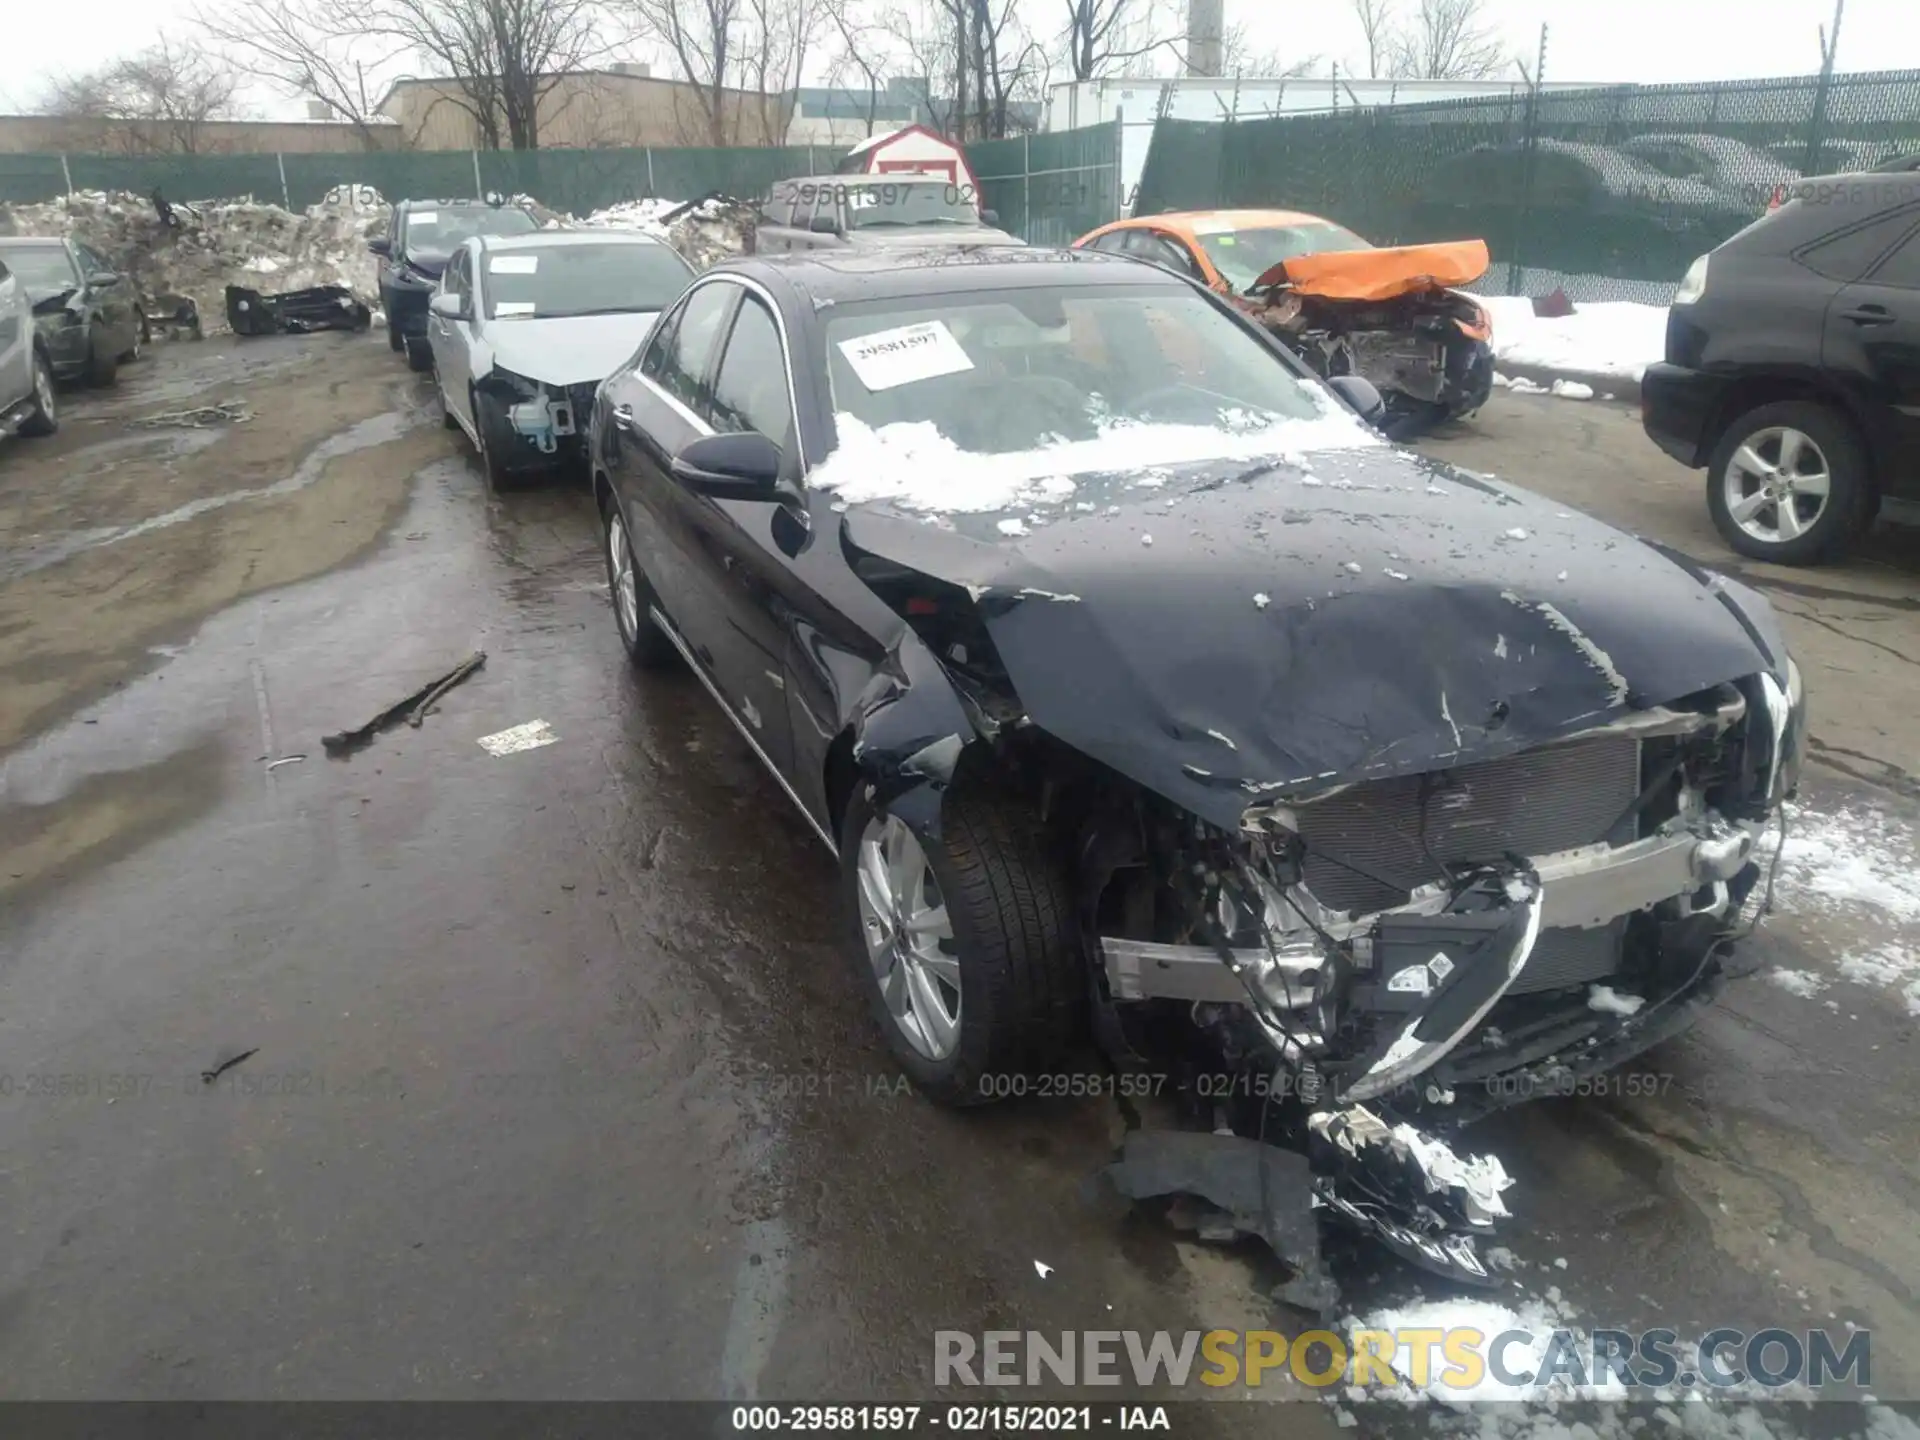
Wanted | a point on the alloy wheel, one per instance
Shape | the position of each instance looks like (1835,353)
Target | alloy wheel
(43,390)
(1777,484)
(909,937)
(626,592)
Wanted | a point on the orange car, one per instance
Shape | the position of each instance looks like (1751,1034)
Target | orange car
(1392,316)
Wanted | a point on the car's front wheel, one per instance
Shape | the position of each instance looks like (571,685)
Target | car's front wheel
(646,644)
(1790,482)
(965,944)
(419,353)
(44,418)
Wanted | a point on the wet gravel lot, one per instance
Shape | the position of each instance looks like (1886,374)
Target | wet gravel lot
(558,1084)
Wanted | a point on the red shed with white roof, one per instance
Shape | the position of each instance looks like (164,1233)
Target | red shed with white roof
(915,150)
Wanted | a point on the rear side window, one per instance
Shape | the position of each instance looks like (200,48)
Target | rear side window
(1850,254)
(1901,270)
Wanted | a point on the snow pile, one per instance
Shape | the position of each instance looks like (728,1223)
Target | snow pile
(713,230)
(1617,338)
(219,243)
(912,465)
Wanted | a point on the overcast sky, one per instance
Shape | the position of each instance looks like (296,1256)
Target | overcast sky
(1649,41)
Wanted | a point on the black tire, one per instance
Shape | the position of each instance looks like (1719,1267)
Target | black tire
(646,644)
(1022,988)
(419,353)
(44,418)
(495,441)
(396,342)
(103,367)
(447,422)
(1852,497)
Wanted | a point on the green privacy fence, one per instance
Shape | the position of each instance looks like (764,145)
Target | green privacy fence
(1046,188)
(1608,190)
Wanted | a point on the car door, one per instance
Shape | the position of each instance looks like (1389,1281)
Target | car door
(655,409)
(1872,344)
(16,332)
(736,543)
(452,340)
(1873,332)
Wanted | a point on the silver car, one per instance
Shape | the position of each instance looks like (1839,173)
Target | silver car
(834,212)
(26,378)
(523,329)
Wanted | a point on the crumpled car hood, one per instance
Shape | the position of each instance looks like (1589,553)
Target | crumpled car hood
(568,351)
(1380,275)
(1367,614)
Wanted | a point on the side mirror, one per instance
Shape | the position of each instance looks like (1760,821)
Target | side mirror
(103,279)
(1361,395)
(448,306)
(824,225)
(382,247)
(989,217)
(743,466)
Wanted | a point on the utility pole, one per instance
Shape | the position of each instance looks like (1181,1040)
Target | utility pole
(1530,149)
(1817,123)
(1206,37)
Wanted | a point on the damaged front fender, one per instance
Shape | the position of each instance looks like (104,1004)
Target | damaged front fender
(909,731)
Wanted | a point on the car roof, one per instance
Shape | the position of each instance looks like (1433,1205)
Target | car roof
(867,177)
(845,276)
(1213,222)
(545,239)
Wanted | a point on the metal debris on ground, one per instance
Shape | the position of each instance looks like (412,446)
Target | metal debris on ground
(220,1067)
(197,417)
(286,760)
(530,736)
(413,709)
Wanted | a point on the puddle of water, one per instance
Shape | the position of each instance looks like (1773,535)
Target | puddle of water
(365,434)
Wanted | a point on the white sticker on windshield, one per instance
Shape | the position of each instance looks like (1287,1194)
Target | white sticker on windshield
(503,308)
(513,264)
(892,358)
(424,217)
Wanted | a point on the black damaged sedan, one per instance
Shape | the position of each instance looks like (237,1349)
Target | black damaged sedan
(1143,692)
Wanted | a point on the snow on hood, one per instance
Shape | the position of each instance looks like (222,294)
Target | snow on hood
(1230,598)
(568,350)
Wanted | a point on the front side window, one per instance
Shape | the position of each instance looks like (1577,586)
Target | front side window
(1243,256)
(750,390)
(678,359)
(560,281)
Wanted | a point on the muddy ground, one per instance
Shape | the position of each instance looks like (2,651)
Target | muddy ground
(559,1085)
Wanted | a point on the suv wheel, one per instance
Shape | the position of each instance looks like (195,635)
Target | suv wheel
(965,945)
(1790,482)
(44,418)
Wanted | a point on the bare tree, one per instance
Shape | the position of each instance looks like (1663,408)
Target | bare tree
(159,99)
(1376,27)
(1447,40)
(295,46)
(860,43)
(1103,36)
(699,35)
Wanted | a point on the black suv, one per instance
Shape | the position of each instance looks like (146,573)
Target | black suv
(421,237)
(1793,367)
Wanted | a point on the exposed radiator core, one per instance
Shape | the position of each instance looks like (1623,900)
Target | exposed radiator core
(1403,830)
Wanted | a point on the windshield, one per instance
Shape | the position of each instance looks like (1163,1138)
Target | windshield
(1055,382)
(563,280)
(923,202)
(43,269)
(1243,256)
(436,234)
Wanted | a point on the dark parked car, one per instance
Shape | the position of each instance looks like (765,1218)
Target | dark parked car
(87,314)
(421,237)
(1792,373)
(1137,684)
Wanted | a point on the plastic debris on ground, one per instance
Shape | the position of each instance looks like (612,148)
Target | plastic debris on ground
(530,736)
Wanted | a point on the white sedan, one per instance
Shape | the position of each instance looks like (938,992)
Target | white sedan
(525,327)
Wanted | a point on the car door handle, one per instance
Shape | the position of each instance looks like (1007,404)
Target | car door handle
(623,416)
(1869,315)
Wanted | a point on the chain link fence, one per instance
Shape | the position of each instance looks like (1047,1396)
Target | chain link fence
(1048,189)
(1609,193)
